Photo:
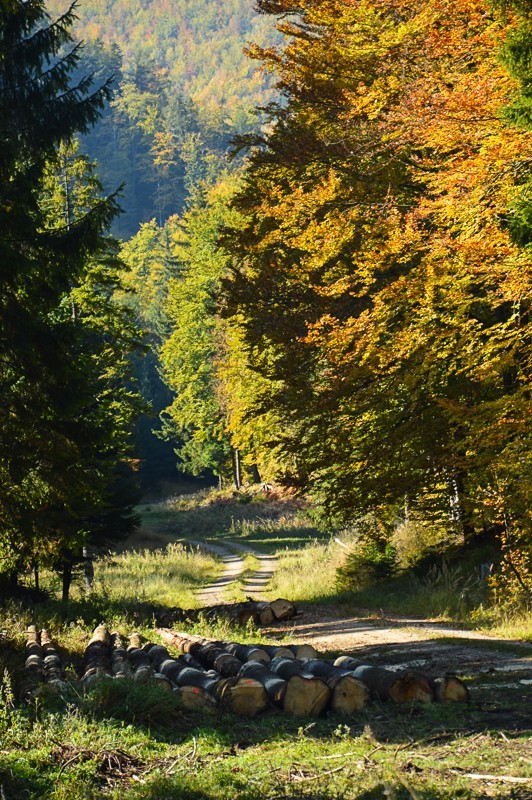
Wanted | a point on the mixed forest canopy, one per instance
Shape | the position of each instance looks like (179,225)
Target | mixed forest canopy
(342,307)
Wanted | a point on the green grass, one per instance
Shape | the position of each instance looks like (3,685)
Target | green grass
(114,744)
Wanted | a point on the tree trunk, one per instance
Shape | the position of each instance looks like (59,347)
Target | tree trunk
(349,694)
(237,474)
(306,695)
(255,474)
(88,568)
(97,657)
(283,609)
(66,579)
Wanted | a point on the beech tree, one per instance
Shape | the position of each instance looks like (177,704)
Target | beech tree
(376,279)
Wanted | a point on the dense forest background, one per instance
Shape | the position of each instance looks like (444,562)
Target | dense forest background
(332,294)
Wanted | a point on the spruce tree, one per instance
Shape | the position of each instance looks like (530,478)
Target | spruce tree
(43,424)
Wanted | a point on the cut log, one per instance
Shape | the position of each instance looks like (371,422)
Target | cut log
(306,696)
(449,689)
(283,609)
(228,666)
(195,698)
(190,661)
(276,651)
(157,654)
(189,676)
(119,666)
(135,641)
(162,681)
(265,614)
(275,685)
(33,675)
(171,668)
(138,658)
(247,652)
(303,651)
(241,613)
(401,687)
(287,667)
(349,694)
(243,696)
(97,657)
(53,669)
(346,662)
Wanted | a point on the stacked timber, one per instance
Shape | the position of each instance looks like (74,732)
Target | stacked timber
(53,668)
(406,685)
(274,685)
(42,668)
(33,675)
(259,613)
(201,688)
(349,694)
(97,657)
(119,666)
(139,660)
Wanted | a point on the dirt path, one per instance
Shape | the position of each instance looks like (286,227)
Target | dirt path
(233,568)
(233,565)
(406,642)
(390,639)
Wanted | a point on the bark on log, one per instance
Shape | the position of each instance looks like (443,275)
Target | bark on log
(306,695)
(97,657)
(449,689)
(247,652)
(53,669)
(275,685)
(276,651)
(119,666)
(33,666)
(402,687)
(261,613)
(346,662)
(140,663)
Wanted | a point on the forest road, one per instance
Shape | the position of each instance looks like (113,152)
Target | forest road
(232,556)
(392,640)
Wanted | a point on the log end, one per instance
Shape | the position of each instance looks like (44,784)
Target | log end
(306,697)
(450,689)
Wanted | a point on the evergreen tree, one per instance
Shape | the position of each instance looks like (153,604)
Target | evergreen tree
(57,427)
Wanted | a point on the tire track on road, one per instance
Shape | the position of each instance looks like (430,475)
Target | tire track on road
(233,567)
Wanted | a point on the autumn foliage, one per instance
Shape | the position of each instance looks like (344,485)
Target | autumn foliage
(381,280)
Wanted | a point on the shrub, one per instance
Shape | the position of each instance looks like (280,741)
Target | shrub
(369,562)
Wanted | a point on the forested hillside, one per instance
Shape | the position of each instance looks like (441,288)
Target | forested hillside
(182,88)
(198,43)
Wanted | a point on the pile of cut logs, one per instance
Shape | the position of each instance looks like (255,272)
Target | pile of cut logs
(244,679)
(257,613)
